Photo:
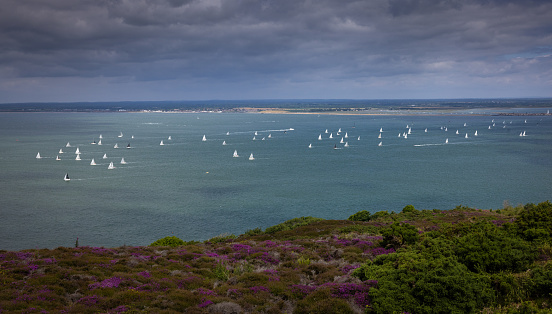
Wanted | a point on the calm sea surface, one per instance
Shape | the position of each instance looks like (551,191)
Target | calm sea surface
(196,190)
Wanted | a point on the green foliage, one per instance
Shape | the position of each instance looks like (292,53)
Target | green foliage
(221,271)
(359,229)
(535,217)
(168,241)
(421,283)
(490,249)
(292,224)
(303,261)
(541,281)
(253,232)
(222,238)
(362,215)
(380,214)
(409,209)
(399,234)
(321,302)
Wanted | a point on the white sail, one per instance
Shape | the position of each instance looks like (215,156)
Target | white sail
(379,136)
(111,166)
(104,156)
(100,142)
(254,138)
(57,158)
(346,144)
(425,130)
(251,157)
(339,131)
(263,139)
(256,133)
(128,146)
(310,145)
(170,138)
(523,133)
(489,127)
(92,163)
(116,145)
(331,135)
(78,157)
(380,144)
(465,124)
(381,130)
(77,151)
(123,162)
(235,154)
(227,133)
(399,135)
(320,137)
(132,136)
(457,132)
(223,142)
(120,135)
(66,177)
(466,135)
(204,139)
(326,131)
(101,136)
(270,135)
(161,143)
(359,137)
(446,129)
(409,131)
(408,127)
(346,136)
(60,151)
(446,141)
(341,142)
(67,145)
(406,136)
(475,134)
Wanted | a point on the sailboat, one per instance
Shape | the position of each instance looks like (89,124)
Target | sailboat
(310,145)
(123,162)
(399,135)
(251,157)
(77,151)
(57,158)
(116,145)
(38,154)
(93,142)
(92,163)
(425,130)
(475,134)
(270,135)
(326,131)
(380,144)
(128,146)
(161,143)
(101,136)
(379,136)
(331,135)
(381,130)
(227,133)
(346,136)
(320,137)
(346,144)
(100,142)
(170,138)
(120,135)
(446,129)
(66,178)
(132,136)
(256,133)
(204,139)
(235,154)
(254,138)
(339,131)
(111,166)
(223,142)
(466,135)
(60,151)
(78,157)
(465,124)
(358,138)
(67,145)
(489,127)
(409,131)
(104,156)
(457,132)
(446,141)
(341,142)
(335,146)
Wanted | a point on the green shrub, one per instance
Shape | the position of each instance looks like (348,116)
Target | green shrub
(168,241)
(322,302)
(380,214)
(399,234)
(362,215)
(292,224)
(359,229)
(535,217)
(253,232)
(222,238)
(409,209)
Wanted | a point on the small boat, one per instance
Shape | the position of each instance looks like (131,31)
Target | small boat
(256,133)
(346,136)
(93,142)
(425,130)
(123,162)
(465,124)
(339,131)
(254,138)
(170,138)
(100,142)
(66,178)
(380,144)
(111,166)
(161,143)
(331,135)
(399,135)
(457,132)
(132,136)
(379,136)
(408,127)
(235,154)
(38,154)
(120,135)
(409,131)
(381,130)
(320,137)
(67,145)
(446,141)
(227,133)
(291,129)
(251,157)
(489,127)
(204,139)
(466,135)
(446,129)
(78,157)
(128,146)
(77,151)
(223,142)
(358,138)
(475,134)
(525,121)
(101,136)
(341,142)
(406,136)
(104,156)
(335,146)
(57,158)
(263,139)
(60,151)
(326,131)
(346,144)
(92,163)
(310,145)
(270,135)
(116,145)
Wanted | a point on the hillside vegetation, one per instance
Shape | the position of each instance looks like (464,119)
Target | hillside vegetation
(418,261)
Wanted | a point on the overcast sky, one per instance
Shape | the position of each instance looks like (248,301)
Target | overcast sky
(114,50)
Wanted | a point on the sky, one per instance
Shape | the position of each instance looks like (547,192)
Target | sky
(143,50)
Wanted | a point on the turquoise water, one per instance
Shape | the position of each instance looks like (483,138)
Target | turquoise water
(196,190)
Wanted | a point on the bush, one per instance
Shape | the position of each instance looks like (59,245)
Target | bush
(380,214)
(409,209)
(362,215)
(399,234)
(168,241)
(535,217)
(292,224)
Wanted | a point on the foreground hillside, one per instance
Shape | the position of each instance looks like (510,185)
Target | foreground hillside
(418,261)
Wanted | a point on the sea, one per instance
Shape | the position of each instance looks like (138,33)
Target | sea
(196,189)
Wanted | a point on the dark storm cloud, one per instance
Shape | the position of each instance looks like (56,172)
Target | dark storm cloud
(350,47)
